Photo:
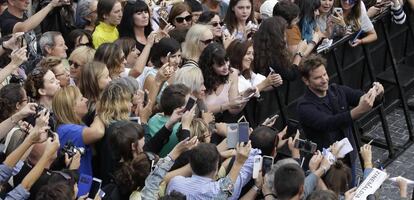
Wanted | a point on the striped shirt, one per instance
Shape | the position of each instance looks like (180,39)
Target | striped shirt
(398,14)
(198,187)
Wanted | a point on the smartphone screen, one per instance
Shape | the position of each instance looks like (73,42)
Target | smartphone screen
(190,104)
(292,128)
(267,164)
(232,135)
(244,132)
(96,185)
(135,119)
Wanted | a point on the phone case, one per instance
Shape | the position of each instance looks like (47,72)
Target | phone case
(232,135)
(84,184)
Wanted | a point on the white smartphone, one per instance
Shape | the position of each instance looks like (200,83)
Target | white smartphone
(267,164)
(232,135)
(257,165)
(338,11)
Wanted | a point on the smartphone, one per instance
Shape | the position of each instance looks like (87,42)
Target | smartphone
(257,165)
(190,103)
(267,164)
(305,146)
(357,36)
(244,132)
(145,99)
(135,119)
(95,187)
(338,11)
(84,184)
(292,128)
(232,135)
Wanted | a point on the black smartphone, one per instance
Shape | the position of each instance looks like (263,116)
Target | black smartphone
(190,103)
(305,146)
(267,164)
(292,128)
(95,187)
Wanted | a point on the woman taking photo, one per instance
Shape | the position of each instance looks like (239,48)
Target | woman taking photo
(136,23)
(221,82)
(239,14)
(70,107)
(109,17)
(355,19)
(166,52)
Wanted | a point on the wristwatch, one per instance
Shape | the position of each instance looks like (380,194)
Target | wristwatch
(299,54)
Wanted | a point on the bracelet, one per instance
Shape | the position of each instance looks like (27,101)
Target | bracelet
(12,121)
(270,194)
(299,54)
(255,188)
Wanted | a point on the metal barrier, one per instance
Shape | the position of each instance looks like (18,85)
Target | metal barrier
(387,60)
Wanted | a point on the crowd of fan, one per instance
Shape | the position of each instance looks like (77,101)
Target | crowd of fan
(113,77)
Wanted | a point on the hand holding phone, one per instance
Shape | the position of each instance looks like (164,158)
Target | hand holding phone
(292,128)
(190,103)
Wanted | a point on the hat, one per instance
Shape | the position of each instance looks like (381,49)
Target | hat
(266,10)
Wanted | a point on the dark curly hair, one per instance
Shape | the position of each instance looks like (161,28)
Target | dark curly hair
(270,46)
(131,175)
(214,53)
(34,82)
(9,96)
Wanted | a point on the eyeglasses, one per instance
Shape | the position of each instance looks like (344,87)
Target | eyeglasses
(207,42)
(75,65)
(215,24)
(187,18)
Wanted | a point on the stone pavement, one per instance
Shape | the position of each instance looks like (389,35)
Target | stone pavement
(404,164)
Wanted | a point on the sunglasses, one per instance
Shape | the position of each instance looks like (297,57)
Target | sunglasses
(75,65)
(187,18)
(207,42)
(215,24)
(351,2)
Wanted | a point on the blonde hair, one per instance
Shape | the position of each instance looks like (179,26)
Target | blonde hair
(114,103)
(197,128)
(192,77)
(63,105)
(191,48)
(84,54)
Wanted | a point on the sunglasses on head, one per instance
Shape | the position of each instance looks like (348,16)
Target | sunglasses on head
(187,18)
(75,65)
(215,24)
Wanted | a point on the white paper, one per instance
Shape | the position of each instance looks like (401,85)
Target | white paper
(370,184)
(409,182)
(345,147)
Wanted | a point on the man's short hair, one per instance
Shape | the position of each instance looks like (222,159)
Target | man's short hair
(286,9)
(263,138)
(288,180)
(204,159)
(311,63)
(173,97)
(48,40)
